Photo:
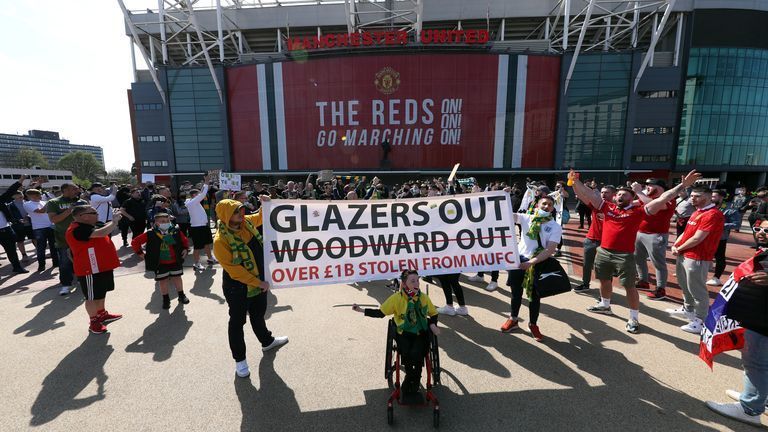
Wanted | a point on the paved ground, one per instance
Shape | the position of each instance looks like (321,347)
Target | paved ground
(160,370)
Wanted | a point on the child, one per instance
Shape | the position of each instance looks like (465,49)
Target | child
(413,312)
(165,251)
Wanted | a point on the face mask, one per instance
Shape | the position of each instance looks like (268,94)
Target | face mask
(164,226)
(542,213)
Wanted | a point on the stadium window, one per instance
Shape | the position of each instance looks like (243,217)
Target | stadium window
(162,138)
(142,138)
(659,94)
(165,163)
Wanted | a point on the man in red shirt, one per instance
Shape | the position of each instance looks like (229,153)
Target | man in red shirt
(652,238)
(93,258)
(695,250)
(616,253)
(592,241)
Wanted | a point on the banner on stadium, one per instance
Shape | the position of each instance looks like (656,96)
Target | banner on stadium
(319,243)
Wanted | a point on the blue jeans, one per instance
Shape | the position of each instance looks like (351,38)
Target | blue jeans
(45,237)
(66,270)
(754,356)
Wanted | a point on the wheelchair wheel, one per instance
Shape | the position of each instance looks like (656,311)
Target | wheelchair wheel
(388,363)
(435,357)
(436,418)
(390,415)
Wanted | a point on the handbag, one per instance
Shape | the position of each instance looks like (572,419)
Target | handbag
(549,277)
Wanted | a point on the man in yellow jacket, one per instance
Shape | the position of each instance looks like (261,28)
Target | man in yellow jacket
(238,246)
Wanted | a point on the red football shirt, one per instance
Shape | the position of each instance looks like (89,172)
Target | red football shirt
(620,226)
(596,228)
(711,220)
(658,223)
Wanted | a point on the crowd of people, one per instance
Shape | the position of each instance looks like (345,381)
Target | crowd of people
(627,226)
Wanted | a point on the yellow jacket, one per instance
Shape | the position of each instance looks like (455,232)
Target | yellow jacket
(397,306)
(224,210)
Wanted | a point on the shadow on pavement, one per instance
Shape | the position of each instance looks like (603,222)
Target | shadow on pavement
(203,284)
(56,308)
(60,389)
(163,335)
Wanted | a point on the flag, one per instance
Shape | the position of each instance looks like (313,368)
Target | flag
(528,197)
(559,202)
(721,333)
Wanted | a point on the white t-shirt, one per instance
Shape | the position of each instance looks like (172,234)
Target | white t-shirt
(103,206)
(550,232)
(39,220)
(197,215)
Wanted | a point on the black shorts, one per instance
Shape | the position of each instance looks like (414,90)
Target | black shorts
(95,286)
(23,232)
(201,236)
(164,271)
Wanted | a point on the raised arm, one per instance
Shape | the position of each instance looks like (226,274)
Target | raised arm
(659,203)
(199,197)
(584,193)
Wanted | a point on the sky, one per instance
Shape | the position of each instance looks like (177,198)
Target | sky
(65,66)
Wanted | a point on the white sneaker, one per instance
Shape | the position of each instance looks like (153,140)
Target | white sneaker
(198,266)
(241,369)
(446,310)
(462,311)
(475,278)
(681,313)
(491,286)
(733,394)
(734,411)
(65,290)
(714,282)
(695,326)
(278,342)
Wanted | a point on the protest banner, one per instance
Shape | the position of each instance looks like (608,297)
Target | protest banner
(147,178)
(229,181)
(319,243)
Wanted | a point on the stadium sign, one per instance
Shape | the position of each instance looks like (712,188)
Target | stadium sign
(387,38)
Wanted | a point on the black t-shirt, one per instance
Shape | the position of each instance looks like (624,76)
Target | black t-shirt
(82,232)
(135,208)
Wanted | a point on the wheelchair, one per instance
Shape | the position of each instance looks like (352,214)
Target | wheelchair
(392,368)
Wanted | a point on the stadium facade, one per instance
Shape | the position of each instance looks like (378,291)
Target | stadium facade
(265,88)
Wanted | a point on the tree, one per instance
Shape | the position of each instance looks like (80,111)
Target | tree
(83,165)
(121,176)
(28,158)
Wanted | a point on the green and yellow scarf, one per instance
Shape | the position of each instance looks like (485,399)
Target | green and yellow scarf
(241,253)
(167,240)
(533,233)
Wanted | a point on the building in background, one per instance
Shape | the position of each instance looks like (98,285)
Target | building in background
(612,87)
(48,143)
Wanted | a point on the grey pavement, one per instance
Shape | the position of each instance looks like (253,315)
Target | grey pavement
(172,370)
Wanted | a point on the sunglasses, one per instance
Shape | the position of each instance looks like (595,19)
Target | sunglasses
(758,230)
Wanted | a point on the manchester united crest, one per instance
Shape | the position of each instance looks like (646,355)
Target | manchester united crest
(387,80)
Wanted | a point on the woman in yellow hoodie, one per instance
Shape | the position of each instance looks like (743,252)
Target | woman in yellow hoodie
(238,247)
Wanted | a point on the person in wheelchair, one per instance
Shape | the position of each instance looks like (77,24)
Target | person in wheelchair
(413,314)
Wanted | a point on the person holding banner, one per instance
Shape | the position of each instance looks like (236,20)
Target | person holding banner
(239,248)
(743,299)
(540,235)
(413,312)
(616,253)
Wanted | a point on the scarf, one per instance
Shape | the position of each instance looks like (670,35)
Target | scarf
(241,253)
(721,333)
(533,233)
(166,241)
(415,319)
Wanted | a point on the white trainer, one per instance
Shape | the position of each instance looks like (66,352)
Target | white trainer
(198,266)
(695,326)
(681,313)
(65,290)
(733,394)
(278,342)
(241,369)
(462,311)
(446,310)
(491,286)
(714,282)
(475,278)
(734,411)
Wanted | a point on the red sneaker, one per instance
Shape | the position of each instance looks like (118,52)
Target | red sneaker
(106,317)
(509,325)
(643,285)
(536,333)
(659,294)
(96,327)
